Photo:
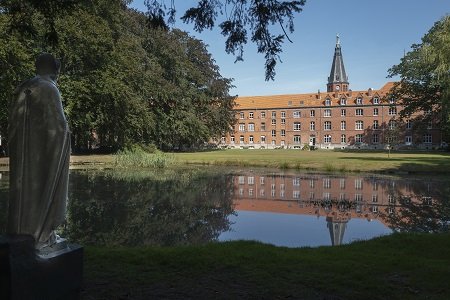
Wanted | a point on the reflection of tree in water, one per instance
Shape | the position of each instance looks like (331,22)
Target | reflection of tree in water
(418,206)
(152,208)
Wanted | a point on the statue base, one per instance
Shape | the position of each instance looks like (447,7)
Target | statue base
(26,275)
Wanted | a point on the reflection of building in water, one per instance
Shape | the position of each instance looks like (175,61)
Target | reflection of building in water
(337,198)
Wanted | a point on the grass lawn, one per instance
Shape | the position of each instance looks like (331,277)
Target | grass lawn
(330,161)
(403,266)
(355,161)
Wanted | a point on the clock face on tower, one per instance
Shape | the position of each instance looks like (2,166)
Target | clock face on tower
(337,87)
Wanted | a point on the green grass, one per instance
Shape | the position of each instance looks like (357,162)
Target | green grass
(330,161)
(403,266)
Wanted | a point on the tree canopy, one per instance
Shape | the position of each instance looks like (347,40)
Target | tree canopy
(122,82)
(425,77)
(265,22)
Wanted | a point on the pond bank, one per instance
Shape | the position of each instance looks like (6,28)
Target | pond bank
(328,161)
(401,266)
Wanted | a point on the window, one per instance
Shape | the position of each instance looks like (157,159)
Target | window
(342,183)
(343,125)
(311,183)
(327,125)
(250,192)
(296,181)
(359,125)
(241,179)
(343,112)
(251,180)
(274,114)
(375,138)
(375,111)
(327,113)
(283,114)
(343,101)
(274,121)
(359,101)
(408,140)
(263,115)
(250,115)
(391,100)
(343,139)
(261,180)
(232,139)
(376,100)
(375,124)
(296,114)
(326,183)
(283,121)
(273,142)
(392,111)
(263,139)
(241,139)
(251,127)
(289,103)
(282,193)
(283,132)
(391,124)
(358,183)
(375,198)
(263,126)
(274,133)
(296,194)
(241,127)
(241,115)
(327,139)
(223,140)
(312,113)
(297,126)
(359,138)
(282,142)
(430,125)
(358,198)
(408,124)
(427,138)
(359,112)
(312,126)
(296,139)
(250,139)
(327,102)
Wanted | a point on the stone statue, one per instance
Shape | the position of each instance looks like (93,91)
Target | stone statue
(39,147)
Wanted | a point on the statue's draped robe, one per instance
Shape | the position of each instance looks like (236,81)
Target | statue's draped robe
(39,148)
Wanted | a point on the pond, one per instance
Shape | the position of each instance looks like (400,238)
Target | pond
(286,208)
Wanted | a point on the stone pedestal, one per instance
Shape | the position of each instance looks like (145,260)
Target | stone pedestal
(25,275)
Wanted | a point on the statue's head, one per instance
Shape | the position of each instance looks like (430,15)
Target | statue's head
(47,64)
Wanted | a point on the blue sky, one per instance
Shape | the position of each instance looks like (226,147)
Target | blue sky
(374,36)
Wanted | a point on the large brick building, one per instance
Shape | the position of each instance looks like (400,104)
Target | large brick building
(337,118)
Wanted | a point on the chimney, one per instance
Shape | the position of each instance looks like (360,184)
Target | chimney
(350,92)
(318,94)
(369,92)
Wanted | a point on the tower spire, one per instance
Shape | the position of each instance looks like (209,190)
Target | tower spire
(338,80)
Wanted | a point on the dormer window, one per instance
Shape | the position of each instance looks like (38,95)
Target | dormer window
(376,100)
(327,102)
(391,100)
(359,101)
(343,101)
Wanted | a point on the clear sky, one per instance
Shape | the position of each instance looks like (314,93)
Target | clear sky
(374,35)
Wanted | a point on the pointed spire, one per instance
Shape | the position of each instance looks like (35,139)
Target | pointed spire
(338,80)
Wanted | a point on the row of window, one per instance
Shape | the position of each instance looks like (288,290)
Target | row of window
(312,182)
(359,138)
(312,113)
(359,125)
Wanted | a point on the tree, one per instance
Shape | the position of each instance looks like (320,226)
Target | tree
(243,19)
(425,77)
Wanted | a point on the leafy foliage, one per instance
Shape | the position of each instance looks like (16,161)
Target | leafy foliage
(122,82)
(425,76)
(257,16)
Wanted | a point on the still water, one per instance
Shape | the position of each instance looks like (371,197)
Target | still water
(198,205)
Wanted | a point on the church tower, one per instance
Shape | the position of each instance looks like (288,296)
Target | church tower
(338,80)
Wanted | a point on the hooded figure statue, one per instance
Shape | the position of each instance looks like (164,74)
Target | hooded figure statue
(39,147)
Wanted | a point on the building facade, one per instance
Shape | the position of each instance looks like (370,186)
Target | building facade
(338,118)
